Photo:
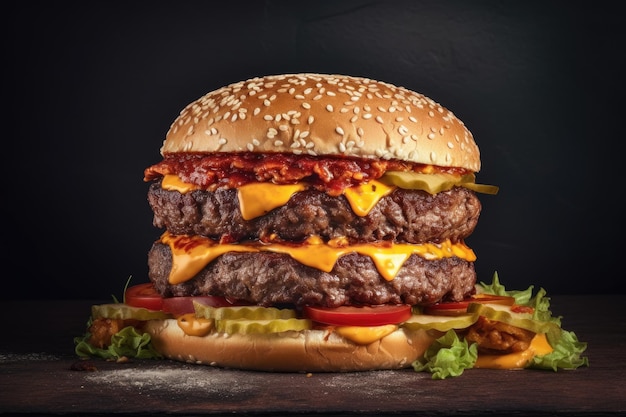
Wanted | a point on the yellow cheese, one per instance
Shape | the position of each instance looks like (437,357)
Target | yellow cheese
(364,335)
(258,199)
(174,183)
(190,254)
(194,326)
(363,198)
(539,346)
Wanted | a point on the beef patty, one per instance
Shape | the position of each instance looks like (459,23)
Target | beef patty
(403,216)
(267,278)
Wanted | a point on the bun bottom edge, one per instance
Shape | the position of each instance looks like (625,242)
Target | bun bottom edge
(304,351)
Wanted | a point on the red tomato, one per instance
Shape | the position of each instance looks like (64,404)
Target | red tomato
(143,295)
(184,305)
(359,316)
(457,308)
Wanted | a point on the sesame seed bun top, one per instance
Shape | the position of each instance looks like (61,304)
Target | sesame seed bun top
(318,114)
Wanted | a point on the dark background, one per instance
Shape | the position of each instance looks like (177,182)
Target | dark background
(90,89)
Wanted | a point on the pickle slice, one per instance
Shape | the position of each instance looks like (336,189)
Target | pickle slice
(244,326)
(434,183)
(242,312)
(125,312)
(505,315)
(440,323)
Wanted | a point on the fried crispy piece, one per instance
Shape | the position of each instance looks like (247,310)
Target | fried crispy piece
(102,329)
(494,337)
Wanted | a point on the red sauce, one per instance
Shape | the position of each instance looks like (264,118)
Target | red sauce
(231,170)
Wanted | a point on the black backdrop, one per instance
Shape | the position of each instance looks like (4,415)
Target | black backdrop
(90,89)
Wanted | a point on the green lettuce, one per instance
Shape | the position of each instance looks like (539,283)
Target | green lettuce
(448,356)
(128,342)
(568,350)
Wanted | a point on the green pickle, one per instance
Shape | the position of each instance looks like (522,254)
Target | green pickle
(126,312)
(244,326)
(504,314)
(435,183)
(242,312)
(252,319)
(440,323)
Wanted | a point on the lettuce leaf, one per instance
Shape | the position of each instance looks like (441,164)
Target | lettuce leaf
(567,354)
(128,342)
(448,356)
(568,349)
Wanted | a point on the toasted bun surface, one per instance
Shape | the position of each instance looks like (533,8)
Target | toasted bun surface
(318,114)
(306,351)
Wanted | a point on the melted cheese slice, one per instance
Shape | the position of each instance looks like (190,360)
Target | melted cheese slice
(174,183)
(363,198)
(364,335)
(190,254)
(258,199)
(538,346)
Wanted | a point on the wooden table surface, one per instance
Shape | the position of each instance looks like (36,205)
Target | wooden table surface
(36,357)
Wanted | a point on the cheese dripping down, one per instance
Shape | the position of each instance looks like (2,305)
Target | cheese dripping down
(257,199)
(190,254)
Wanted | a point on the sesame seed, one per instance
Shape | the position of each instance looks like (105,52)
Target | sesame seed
(222,141)
(431,136)
(306,106)
(339,130)
(268,118)
(256,111)
(342,147)
(250,147)
(310,120)
(300,97)
(278,143)
(433,156)
(255,142)
(266,102)
(329,108)
(367,116)
(380,120)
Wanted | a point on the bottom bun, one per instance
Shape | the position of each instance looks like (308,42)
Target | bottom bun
(304,351)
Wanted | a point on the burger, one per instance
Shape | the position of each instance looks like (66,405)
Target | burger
(317,223)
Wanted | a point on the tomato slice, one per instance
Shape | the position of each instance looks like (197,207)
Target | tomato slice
(144,296)
(359,316)
(457,308)
(184,305)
